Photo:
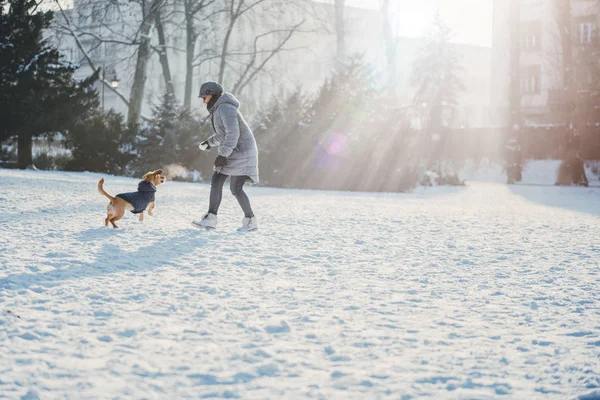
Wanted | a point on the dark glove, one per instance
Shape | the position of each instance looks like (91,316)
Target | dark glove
(204,146)
(220,161)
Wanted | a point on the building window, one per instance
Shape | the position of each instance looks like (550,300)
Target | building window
(531,33)
(529,85)
(530,42)
(586,32)
(531,79)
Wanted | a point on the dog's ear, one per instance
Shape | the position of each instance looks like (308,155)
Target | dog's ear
(147,175)
(158,172)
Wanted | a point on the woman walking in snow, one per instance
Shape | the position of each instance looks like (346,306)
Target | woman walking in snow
(237,154)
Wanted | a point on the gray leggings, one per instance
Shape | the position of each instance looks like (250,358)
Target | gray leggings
(237,189)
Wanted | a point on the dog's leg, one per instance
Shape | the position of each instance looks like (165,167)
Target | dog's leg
(119,214)
(109,214)
(142,216)
(151,207)
(115,219)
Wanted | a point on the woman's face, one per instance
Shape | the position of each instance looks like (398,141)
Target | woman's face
(206,98)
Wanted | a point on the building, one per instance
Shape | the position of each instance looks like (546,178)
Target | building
(543,96)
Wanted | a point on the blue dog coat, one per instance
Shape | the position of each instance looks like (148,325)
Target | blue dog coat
(140,199)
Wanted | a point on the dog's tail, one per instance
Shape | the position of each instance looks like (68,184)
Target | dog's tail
(101,190)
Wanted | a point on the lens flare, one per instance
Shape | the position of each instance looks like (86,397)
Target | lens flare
(330,149)
(336,143)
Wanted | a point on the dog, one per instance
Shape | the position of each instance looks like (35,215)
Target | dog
(136,202)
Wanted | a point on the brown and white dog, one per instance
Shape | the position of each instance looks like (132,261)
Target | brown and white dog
(136,202)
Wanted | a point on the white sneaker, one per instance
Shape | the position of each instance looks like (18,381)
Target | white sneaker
(208,221)
(249,224)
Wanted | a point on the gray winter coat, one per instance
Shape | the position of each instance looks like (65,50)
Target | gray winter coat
(234,139)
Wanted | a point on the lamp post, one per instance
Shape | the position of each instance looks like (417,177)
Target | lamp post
(114,83)
(103,76)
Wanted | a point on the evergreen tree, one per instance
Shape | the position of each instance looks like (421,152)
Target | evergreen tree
(278,134)
(38,94)
(435,74)
(157,142)
(436,77)
(101,143)
(172,137)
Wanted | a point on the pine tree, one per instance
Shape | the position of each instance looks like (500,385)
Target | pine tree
(38,94)
(158,142)
(101,143)
(171,137)
(435,74)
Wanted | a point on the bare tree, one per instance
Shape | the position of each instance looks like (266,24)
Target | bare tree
(241,38)
(515,64)
(563,13)
(149,13)
(255,32)
(195,24)
(95,26)
(254,66)
(66,26)
(513,151)
(340,31)
(162,54)
(234,11)
(391,44)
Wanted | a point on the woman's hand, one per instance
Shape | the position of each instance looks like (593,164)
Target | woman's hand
(220,161)
(204,146)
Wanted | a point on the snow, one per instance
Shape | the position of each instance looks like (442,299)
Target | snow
(535,172)
(23,68)
(469,292)
(482,171)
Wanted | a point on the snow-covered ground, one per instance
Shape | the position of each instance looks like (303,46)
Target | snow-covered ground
(483,291)
(535,172)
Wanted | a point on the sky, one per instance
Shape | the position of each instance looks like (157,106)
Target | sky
(470,20)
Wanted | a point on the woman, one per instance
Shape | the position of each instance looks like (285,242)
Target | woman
(237,154)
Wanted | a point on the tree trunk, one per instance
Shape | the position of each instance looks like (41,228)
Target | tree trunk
(340,31)
(390,46)
(513,152)
(189,55)
(163,57)
(224,50)
(563,10)
(136,97)
(25,154)
(515,64)
(563,20)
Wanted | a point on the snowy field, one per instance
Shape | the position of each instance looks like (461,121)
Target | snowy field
(535,172)
(480,292)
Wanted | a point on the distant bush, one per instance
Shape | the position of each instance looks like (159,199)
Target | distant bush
(45,161)
(572,172)
(101,143)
